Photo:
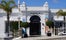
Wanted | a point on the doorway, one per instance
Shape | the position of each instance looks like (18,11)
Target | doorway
(35,25)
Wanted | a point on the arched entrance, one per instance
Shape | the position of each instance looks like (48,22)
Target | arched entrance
(35,25)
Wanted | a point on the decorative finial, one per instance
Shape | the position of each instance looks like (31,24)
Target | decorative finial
(18,3)
(46,4)
(23,4)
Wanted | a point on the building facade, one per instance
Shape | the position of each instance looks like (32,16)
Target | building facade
(36,16)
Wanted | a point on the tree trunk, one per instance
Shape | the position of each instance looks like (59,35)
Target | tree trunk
(64,24)
(8,23)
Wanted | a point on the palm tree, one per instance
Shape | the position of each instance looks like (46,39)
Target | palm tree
(7,6)
(61,13)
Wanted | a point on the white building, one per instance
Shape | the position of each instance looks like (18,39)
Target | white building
(36,16)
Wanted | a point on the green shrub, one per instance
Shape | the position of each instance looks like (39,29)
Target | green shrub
(14,25)
(24,24)
(50,24)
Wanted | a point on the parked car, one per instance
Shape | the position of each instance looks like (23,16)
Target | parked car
(61,33)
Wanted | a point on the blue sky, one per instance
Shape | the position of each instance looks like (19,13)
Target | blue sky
(52,3)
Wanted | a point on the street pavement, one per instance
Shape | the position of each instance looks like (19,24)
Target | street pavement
(42,38)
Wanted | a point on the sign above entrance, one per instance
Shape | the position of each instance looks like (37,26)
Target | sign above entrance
(35,13)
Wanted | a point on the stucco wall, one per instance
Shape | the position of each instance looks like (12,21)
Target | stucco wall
(2,28)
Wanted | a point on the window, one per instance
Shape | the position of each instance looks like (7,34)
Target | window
(46,16)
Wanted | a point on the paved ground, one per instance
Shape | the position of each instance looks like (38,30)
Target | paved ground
(42,38)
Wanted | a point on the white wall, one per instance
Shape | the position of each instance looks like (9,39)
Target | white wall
(2,28)
(58,18)
(42,26)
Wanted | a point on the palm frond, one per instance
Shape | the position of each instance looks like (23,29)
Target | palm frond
(7,5)
(2,6)
(65,13)
(3,2)
(11,2)
(60,13)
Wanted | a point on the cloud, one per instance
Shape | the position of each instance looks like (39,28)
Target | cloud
(55,1)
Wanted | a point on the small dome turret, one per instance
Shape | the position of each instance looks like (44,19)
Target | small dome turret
(46,4)
(23,4)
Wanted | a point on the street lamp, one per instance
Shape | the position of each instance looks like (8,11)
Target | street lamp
(19,11)
(19,22)
(26,14)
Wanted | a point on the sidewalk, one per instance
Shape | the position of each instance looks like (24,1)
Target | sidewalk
(42,38)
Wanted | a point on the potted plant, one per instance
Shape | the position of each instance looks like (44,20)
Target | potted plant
(50,24)
(48,33)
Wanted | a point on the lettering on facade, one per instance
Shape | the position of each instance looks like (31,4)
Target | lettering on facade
(35,13)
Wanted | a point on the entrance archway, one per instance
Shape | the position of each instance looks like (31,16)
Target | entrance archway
(35,25)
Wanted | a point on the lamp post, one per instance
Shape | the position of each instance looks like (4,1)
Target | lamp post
(19,11)
(26,14)
(19,22)
(19,18)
